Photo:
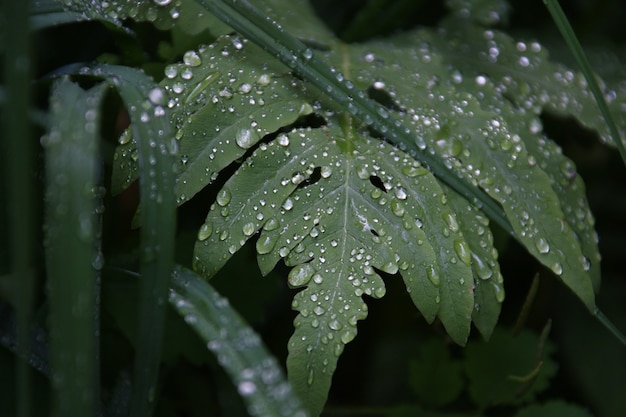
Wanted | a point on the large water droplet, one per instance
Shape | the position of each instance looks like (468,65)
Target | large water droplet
(223,197)
(499,292)
(191,58)
(249,228)
(463,251)
(542,245)
(245,138)
(205,231)
(266,243)
(433,275)
(300,275)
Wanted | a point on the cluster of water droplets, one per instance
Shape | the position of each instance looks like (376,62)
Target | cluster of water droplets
(224,103)
(161,12)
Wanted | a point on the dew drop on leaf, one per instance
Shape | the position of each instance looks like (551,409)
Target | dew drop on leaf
(433,275)
(300,275)
(249,229)
(348,336)
(191,58)
(557,268)
(245,138)
(205,231)
(499,292)
(542,245)
(463,251)
(271,224)
(223,197)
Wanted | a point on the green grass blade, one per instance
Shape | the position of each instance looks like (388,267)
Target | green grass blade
(253,24)
(574,45)
(610,326)
(19,159)
(144,101)
(239,350)
(71,245)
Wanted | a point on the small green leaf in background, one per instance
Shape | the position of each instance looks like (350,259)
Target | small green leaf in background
(553,409)
(436,378)
(494,368)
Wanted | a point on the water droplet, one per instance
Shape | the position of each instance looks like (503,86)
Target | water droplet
(249,229)
(192,58)
(499,292)
(335,325)
(162,2)
(245,138)
(483,270)
(433,275)
(397,208)
(380,292)
(300,275)
(205,231)
(266,243)
(542,245)
(271,224)
(463,251)
(283,140)
(246,388)
(450,219)
(288,204)
(223,197)
(413,171)
(348,336)
(557,268)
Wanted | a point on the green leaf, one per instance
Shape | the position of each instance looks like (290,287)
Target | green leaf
(144,101)
(522,72)
(339,207)
(495,369)
(239,350)
(163,13)
(434,376)
(553,409)
(72,254)
(224,99)
(485,148)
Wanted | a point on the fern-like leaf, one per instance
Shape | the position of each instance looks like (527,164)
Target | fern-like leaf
(339,208)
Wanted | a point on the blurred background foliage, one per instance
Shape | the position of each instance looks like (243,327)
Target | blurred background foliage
(399,365)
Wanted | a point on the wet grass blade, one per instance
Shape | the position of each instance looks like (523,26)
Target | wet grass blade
(254,24)
(151,129)
(19,159)
(581,59)
(256,374)
(71,226)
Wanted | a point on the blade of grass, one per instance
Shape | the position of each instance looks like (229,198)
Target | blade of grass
(144,101)
(581,59)
(572,42)
(239,350)
(255,25)
(71,222)
(19,160)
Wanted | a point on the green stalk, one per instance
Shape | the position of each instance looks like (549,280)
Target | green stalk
(71,225)
(19,159)
(255,25)
(152,131)
(581,59)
